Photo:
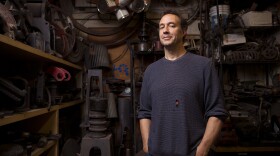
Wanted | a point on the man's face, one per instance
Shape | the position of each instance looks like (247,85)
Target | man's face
(170,31)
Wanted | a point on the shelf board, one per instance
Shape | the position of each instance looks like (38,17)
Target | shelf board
(246,149)
(69,104)
(10,47)
(39,151)
(35,112)
(25,115)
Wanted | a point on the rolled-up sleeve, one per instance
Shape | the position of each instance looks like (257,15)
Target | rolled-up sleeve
(213,95)
(145,99)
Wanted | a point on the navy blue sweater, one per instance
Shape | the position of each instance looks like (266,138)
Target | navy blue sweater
(179,96)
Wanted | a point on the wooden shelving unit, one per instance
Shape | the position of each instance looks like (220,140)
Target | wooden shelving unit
(41,120)
(19,50)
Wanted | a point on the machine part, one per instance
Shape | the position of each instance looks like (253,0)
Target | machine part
(66,6)
(116,39)
(9,21)
(97,128)
(98,104)
(97,115)
(109,37)
(145,47)
(137,6)
(269,53)
(241,56)
(43,140)
(98,122)
(125,132)
(66,73)
(250,46)
(22,17)
(276,80)
(92,114)
(49,98)
(112,106)
(71,147)
(64,30)
(38,21)
(122,14)
(157,46)
(104,8)
(97,57)
(121,3)
(78,52)
(59,74)
(11,87)
(126,92)
(147,4)
(36,40)
(97,134)
(40,89)
(275,124)
(23,84)
(238,114)
(62,44)
(10,95)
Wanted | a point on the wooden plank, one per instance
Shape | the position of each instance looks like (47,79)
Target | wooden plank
(246,149)
(25,115)
(35,112)
(69,104)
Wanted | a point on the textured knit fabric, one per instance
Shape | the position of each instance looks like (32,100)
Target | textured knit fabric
(179,96)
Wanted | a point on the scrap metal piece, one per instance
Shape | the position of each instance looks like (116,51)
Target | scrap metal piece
(9,20)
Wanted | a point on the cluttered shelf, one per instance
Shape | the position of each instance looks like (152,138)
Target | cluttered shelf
(35,112)
(19,50)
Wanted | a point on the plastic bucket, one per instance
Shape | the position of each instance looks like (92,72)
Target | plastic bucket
(224,11)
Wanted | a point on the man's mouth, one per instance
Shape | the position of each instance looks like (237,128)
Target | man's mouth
(167,37)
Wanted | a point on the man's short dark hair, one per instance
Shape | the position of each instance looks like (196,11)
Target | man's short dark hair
(182,20)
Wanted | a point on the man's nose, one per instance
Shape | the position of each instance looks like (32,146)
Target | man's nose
(165,30)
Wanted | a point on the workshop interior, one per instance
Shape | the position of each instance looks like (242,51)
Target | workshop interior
(71,72)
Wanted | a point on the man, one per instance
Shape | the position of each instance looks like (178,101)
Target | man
(181,102)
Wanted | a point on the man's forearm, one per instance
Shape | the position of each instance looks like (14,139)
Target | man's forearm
(213,128)
(145,129)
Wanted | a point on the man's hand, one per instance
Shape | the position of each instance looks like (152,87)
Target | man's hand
(201,151)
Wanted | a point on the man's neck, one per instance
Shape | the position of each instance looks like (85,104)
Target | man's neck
(174,54)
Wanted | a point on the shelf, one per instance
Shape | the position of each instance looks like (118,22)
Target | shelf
(246,149)
(21,51)
(69,104)
(35,112)
(39,151)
